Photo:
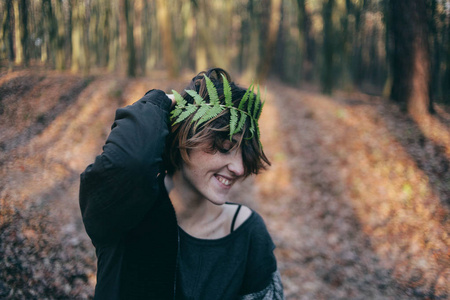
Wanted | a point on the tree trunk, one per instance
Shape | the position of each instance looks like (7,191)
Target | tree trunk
(50,32)
(272,34)
(94,36)
(128,51)
(131,50)
(387,46)
(358,66)
(18,32)
(251,42)
(165,26)
(411,56)
(103,31)
(7,32)
(21,32)
(207,52)
(328,45)
(79,53)
(307,51)
(446,76)
(345,47)
(60,59)
(138,37)
(114,37)
(435,61)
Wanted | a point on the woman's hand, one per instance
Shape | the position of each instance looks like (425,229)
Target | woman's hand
(171,97)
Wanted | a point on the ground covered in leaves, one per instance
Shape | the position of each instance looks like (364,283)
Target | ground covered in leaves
(357,199)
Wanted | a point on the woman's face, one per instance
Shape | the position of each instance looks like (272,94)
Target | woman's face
(211,175)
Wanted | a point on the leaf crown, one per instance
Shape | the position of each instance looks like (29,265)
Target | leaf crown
(249,108)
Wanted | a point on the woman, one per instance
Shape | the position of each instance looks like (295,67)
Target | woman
(155,204)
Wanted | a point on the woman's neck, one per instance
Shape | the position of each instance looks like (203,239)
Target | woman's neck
(194,212)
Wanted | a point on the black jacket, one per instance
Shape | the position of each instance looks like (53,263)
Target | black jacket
(123,209)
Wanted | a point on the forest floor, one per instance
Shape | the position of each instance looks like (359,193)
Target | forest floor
(357,198)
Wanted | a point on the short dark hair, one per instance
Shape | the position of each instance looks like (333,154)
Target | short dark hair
(185,136)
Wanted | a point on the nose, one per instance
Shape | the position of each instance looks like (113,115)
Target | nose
(236,165)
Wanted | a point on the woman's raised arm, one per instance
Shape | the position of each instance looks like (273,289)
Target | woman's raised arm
(120,187)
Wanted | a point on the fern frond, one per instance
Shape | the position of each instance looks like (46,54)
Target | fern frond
(175,113)
(201,112)
(186,113)
(250,107)
(252,128)
(250,102)
(211,113)
(179,99)
(227,91)
(258,137)
(241,122)
(262,105)
(233,122)
(197,98)
(244,98)
(212,92)
(257,103)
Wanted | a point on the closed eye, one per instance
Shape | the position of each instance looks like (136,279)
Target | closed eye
(223,150)
(226,146)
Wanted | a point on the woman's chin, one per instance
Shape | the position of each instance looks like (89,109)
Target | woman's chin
(218,200)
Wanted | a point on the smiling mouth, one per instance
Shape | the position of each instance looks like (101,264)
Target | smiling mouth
(224,181)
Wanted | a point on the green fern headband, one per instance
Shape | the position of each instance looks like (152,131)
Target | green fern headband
(203,111)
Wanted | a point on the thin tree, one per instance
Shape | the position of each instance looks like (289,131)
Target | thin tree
(60,58)
(411,56)
(7,32)
(166,36)
(270,43)
(18,32)
(79,51)
(304,26)
(127,36)
(446,75)
(328,48)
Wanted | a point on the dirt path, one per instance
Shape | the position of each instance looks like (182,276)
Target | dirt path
(357,199)
(359,219)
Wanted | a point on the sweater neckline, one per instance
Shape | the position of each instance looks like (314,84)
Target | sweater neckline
(205,242)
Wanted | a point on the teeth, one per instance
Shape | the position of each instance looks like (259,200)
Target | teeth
(224,181)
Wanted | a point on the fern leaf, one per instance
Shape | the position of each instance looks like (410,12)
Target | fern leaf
(252,129)
(241,123)
(244,98)
(233,122)
(212,92)
(262,105)
(197,98)
(250,102)
(201,112)
(175,113)
(179,99)
(227,91)
(211,113)
(257,103)
(188,111)
(258,136)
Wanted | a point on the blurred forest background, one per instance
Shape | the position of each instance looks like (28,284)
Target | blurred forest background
(364,44)
(357,126)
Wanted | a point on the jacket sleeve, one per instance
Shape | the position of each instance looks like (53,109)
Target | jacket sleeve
(120,187)
(273,291)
